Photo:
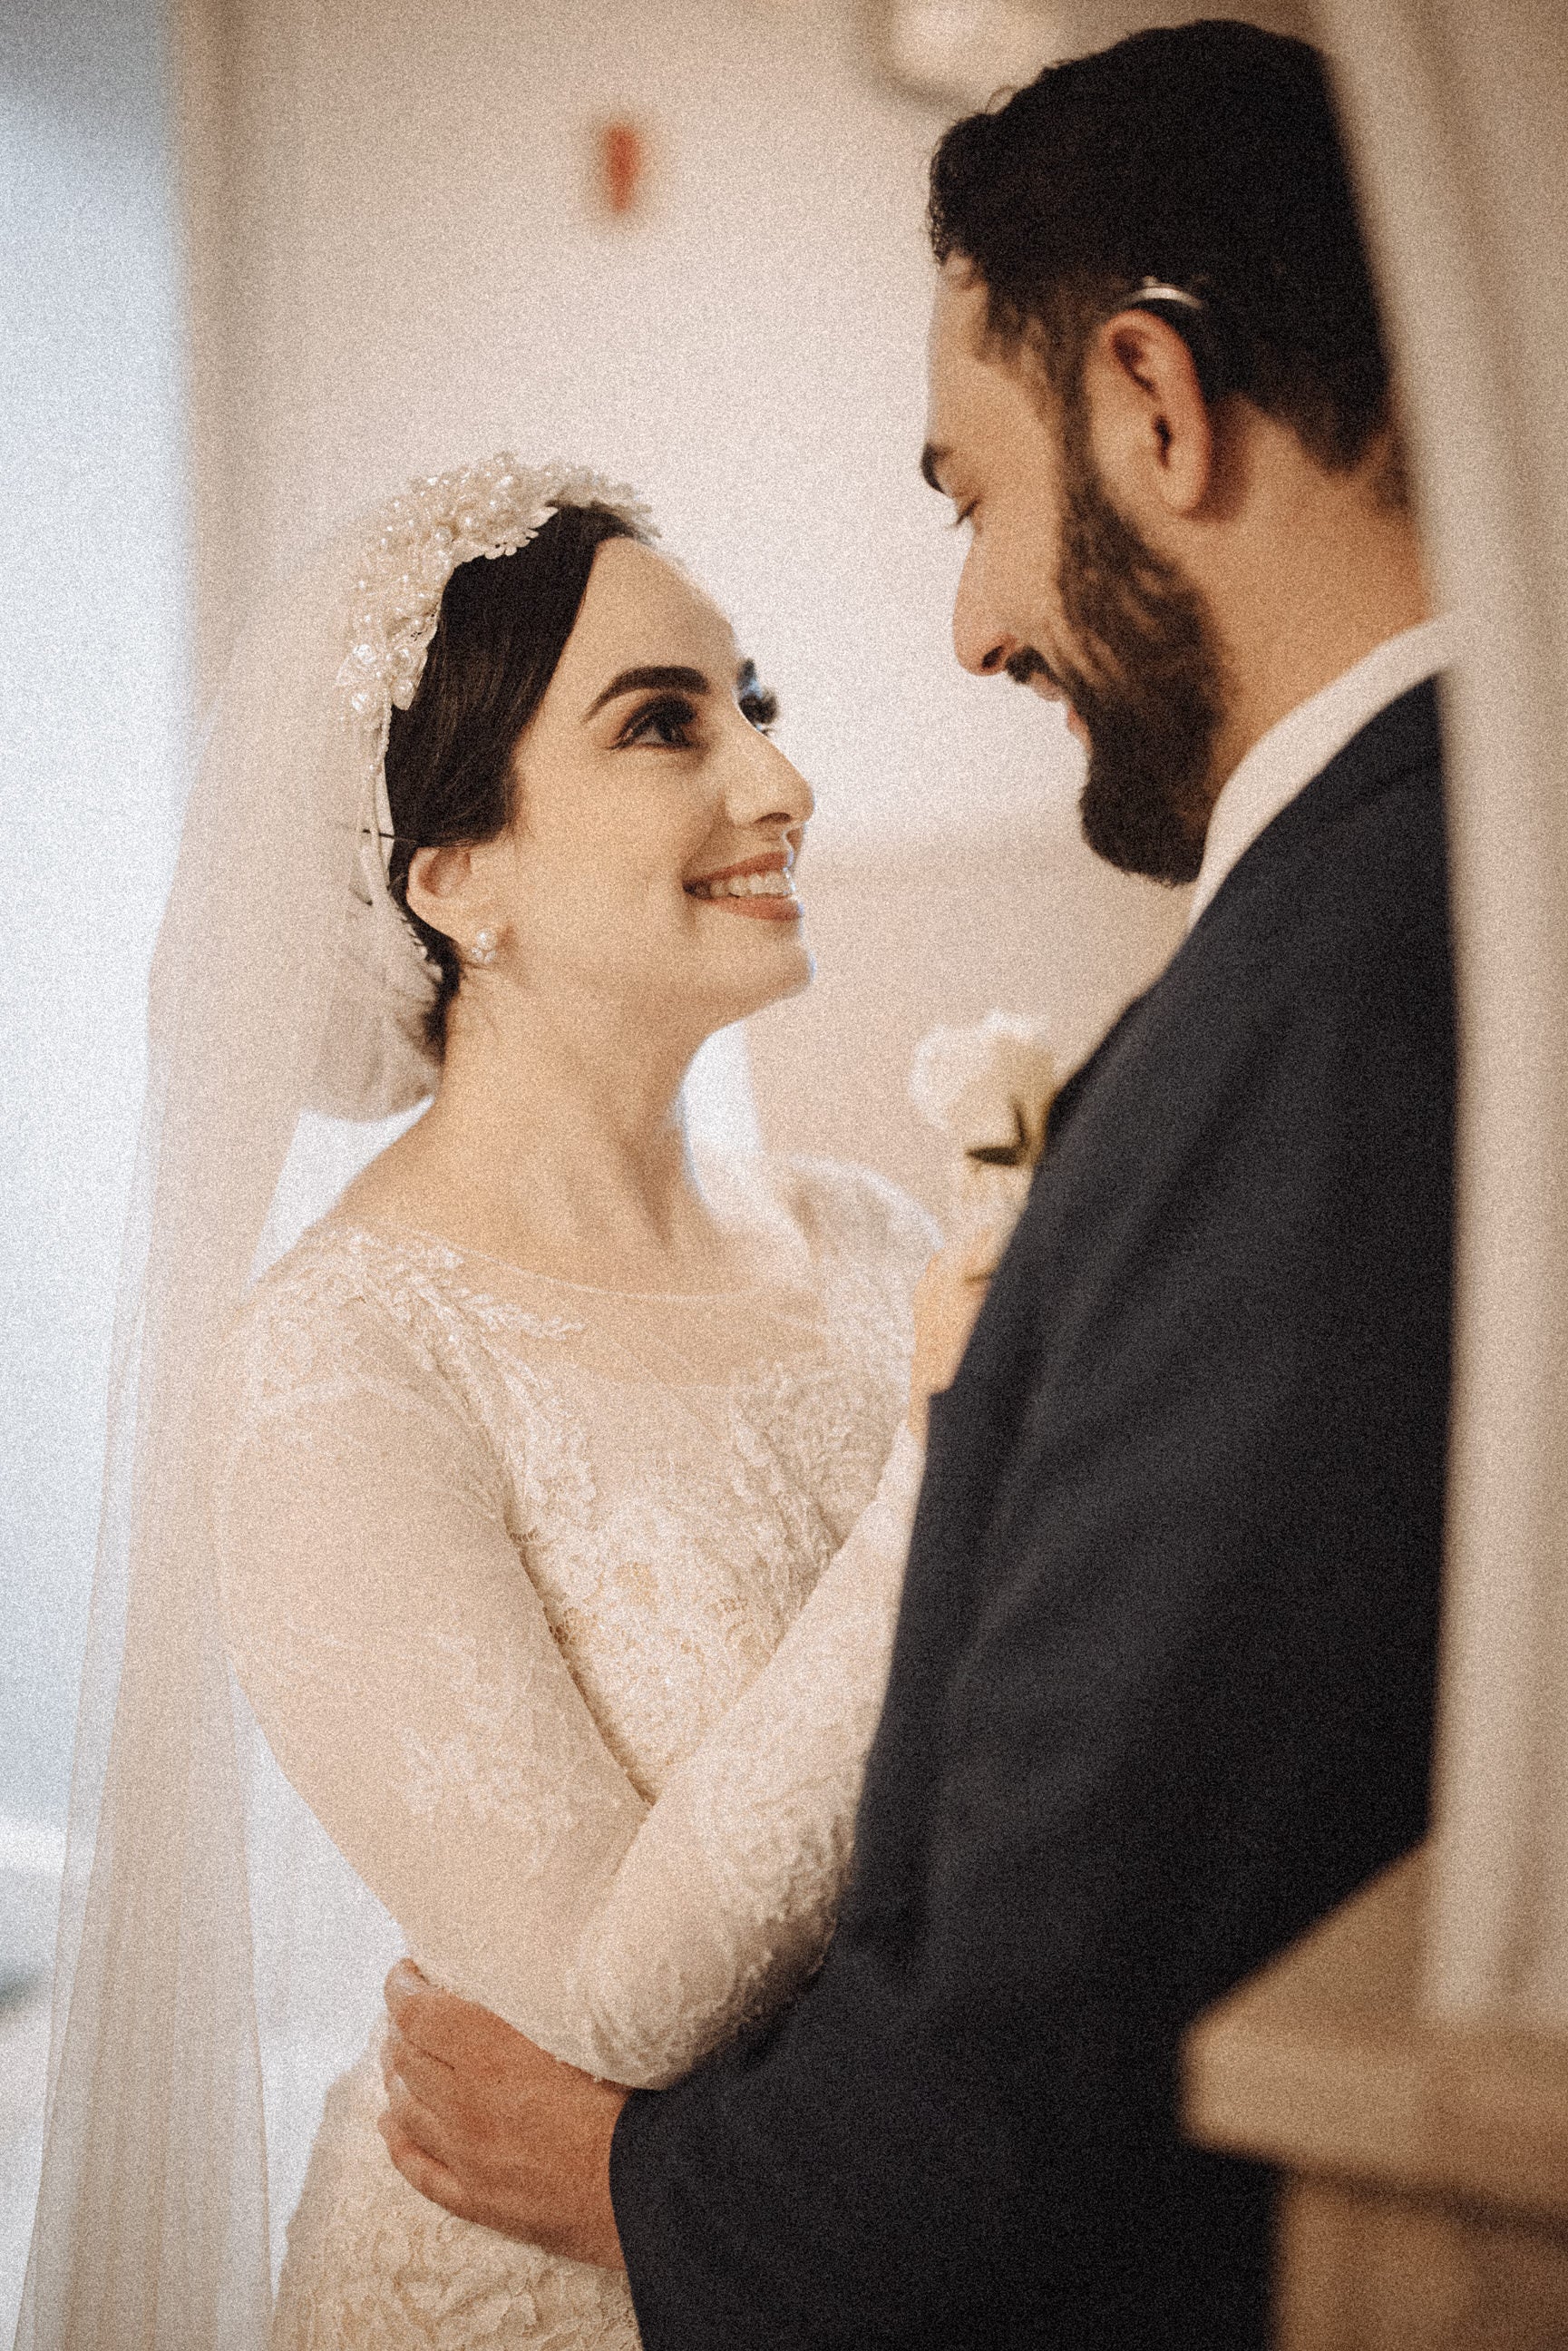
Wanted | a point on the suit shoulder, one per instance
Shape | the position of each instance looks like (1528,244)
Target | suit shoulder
(1364,843)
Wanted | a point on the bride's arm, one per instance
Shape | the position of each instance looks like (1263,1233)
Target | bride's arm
(725,1898)
(399,1660)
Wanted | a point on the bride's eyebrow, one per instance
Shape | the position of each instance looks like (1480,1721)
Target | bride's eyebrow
(672,679)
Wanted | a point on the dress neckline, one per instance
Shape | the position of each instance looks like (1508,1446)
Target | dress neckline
(384,1229)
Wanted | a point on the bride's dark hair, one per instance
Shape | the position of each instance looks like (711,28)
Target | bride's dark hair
(504,625)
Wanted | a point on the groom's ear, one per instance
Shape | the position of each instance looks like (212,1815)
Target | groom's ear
(1151,426)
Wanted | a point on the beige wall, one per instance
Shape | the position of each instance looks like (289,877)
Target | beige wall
(395,263)
(1017,915)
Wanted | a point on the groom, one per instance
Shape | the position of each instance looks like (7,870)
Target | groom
(1162,1692)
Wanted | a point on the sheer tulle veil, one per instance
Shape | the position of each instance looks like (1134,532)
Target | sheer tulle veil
(284,980)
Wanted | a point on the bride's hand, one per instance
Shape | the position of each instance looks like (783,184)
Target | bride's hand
(946,1300)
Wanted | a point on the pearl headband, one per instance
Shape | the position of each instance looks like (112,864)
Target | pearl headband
(377,1059)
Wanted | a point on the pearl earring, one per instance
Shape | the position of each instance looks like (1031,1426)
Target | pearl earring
(482,950)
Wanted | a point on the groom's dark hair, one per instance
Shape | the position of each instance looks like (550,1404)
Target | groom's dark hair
(1205,157)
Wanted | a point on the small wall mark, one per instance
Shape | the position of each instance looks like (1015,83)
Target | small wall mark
(621,156)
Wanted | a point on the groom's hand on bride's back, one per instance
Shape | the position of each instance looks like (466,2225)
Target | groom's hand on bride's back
(486,2124)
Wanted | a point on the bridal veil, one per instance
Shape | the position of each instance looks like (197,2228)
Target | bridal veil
(285,980)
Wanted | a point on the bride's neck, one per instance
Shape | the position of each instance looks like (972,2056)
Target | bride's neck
(560,1144)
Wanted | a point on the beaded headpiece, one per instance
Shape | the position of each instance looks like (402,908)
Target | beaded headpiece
(412,546)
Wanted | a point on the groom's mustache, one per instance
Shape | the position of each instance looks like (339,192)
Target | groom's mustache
(1027,664)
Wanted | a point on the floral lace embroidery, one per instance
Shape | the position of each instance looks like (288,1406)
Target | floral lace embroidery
(372,2267)
(664,1533)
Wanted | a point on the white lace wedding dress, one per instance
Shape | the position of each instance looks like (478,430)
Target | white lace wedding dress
(569,1614)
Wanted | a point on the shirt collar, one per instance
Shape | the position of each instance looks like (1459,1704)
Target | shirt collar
(1282,762)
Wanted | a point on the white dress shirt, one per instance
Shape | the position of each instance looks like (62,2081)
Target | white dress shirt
(1283,761)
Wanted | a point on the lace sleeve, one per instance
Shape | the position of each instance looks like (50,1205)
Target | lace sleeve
(725,1899)
(397,1657)
(384,1625)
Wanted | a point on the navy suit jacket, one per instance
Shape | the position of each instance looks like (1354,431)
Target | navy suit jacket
(1162,1687)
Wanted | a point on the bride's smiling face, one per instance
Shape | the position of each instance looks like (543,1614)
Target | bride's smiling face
(648,862)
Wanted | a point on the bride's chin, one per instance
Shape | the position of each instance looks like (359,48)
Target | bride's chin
(789,974)
(797,967)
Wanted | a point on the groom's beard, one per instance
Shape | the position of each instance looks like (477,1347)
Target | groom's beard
(1147,681)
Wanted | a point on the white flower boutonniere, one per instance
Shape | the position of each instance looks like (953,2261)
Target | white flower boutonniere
(987,1088)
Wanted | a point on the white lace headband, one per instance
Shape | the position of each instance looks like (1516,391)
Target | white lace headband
(376,1059)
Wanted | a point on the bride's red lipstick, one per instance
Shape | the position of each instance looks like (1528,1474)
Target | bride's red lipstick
(763,906)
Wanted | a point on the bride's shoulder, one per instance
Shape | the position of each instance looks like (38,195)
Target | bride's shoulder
(336,1367)
(331,1308)
(850,1214)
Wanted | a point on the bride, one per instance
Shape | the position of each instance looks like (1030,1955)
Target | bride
(554,1488)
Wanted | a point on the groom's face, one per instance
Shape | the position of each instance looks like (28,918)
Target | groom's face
(1061,593)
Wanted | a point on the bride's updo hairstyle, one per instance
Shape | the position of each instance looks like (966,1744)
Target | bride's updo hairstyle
(504,625)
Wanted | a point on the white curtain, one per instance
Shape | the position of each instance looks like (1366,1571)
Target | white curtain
(1459,118)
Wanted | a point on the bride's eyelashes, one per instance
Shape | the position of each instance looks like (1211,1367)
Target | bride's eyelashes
(753,699)
(761,707)
(670,722)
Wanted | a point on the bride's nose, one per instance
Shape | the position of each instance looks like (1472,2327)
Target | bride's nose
(764,788)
